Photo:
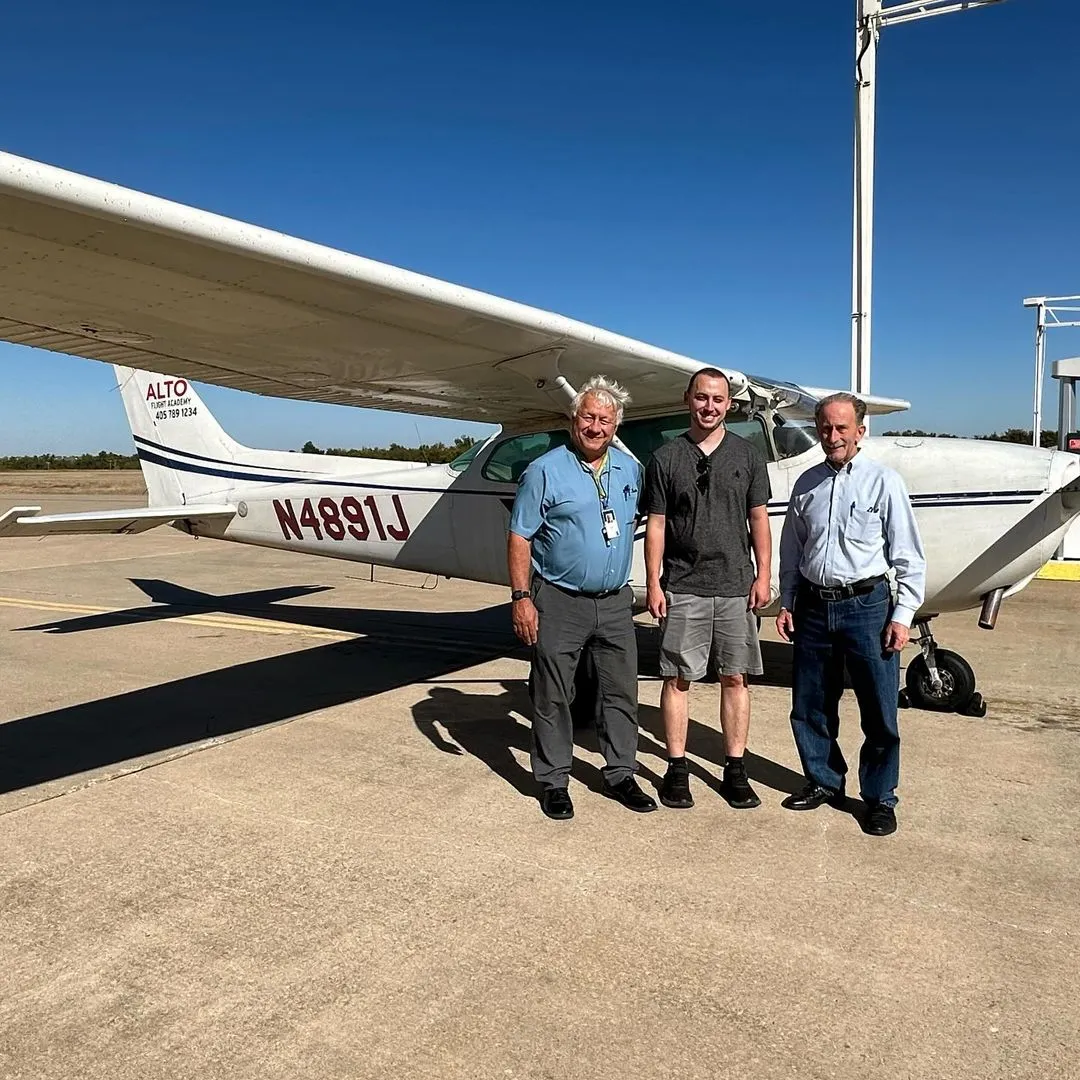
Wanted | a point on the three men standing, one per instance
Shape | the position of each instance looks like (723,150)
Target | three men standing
(706,495)
(848,523)
(569,551)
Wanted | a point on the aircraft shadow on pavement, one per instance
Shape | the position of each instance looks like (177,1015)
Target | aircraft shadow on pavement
(400,648)
(171,601)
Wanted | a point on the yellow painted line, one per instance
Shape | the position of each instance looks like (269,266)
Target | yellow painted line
(219,622)
(1061,571)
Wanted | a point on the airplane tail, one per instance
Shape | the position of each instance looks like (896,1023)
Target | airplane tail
(185,454)
(188,458)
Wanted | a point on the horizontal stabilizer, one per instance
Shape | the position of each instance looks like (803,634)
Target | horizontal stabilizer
(26,521)
(875,406)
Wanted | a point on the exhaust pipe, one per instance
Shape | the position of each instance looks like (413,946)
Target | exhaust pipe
(990,608)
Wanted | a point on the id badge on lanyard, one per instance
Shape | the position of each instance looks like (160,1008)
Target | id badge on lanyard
(608,519)
(611,524)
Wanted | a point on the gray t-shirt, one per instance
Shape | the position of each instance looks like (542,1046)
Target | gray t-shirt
(706,500)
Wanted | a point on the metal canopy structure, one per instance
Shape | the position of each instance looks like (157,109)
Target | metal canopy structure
(870,17)
(1048,314)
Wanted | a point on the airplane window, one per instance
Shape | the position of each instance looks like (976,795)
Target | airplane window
(510,459)
(753,431)
(794,437)
(644,437)
(464,460)
(641,437)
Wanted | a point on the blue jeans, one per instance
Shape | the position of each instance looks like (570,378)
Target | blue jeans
(828,635)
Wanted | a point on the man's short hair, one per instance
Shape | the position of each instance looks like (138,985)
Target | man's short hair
(607,391)
(856,403)
(711,373)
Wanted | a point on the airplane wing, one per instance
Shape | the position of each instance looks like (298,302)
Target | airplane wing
(26,521)
(100,271)
(875,405)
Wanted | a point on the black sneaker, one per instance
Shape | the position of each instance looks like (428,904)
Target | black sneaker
(736,789)
(675,788)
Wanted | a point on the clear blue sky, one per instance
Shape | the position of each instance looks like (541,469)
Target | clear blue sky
(679,173)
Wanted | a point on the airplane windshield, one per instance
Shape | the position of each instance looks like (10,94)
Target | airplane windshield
(463,461)
(793,436)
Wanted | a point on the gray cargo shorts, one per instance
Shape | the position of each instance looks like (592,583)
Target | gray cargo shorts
(697,626)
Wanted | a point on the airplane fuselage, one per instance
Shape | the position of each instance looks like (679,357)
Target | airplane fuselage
(985,511)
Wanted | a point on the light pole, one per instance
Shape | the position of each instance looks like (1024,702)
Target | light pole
(1048,310)
(870,17)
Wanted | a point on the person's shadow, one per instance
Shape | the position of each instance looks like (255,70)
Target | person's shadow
(490,727)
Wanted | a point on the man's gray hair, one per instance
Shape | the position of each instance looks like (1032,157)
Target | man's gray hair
(856,403)
(606,391)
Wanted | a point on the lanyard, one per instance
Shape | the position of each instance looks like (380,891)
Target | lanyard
(597,478)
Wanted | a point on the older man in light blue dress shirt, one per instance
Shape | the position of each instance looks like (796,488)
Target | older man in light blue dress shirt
(849,522)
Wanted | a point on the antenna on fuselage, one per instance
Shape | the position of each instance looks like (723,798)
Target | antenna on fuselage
(420,443)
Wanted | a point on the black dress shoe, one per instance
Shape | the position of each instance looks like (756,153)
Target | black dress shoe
(629,794)
(736,789)
(555,802)
(880,820)
(675,789)
(811,797)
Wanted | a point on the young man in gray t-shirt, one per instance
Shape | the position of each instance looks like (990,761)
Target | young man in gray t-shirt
(706,496)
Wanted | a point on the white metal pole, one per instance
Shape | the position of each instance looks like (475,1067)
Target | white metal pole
(870,16)
(1066,411)
(1040,364)
(866,42)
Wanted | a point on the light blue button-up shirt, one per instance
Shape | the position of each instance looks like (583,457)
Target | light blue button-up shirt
(559,509)
(844,525)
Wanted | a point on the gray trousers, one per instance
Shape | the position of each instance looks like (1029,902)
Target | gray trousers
(568,624)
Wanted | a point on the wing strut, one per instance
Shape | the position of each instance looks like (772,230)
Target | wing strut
(542,370)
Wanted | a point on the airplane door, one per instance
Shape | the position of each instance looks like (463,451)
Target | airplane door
(484,496)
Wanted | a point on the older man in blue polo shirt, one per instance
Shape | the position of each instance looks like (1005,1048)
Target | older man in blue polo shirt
(569,551)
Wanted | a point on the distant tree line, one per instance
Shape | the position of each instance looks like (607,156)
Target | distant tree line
(104,459)
(433,453)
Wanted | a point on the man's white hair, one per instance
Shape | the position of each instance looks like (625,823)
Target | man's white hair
(606,391)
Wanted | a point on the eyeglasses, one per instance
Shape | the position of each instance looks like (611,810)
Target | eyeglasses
(703,473)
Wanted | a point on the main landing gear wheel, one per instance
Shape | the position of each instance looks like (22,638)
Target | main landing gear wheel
(940,680)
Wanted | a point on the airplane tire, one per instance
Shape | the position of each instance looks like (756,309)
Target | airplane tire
(957,683)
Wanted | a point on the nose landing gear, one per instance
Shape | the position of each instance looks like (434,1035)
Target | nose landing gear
(940,680)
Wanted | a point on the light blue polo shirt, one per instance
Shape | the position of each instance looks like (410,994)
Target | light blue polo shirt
(559,509)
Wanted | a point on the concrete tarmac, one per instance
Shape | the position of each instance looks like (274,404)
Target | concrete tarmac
(263,817)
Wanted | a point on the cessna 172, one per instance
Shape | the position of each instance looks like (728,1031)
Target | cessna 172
(99,271)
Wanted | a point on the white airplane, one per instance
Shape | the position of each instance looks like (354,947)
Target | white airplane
(99,271)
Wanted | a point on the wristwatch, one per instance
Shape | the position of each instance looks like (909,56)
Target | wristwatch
(520,594)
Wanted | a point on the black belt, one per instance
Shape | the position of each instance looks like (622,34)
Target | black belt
(844,592)
(587,595)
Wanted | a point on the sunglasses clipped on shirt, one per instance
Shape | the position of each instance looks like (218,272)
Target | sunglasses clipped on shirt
(703,473)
